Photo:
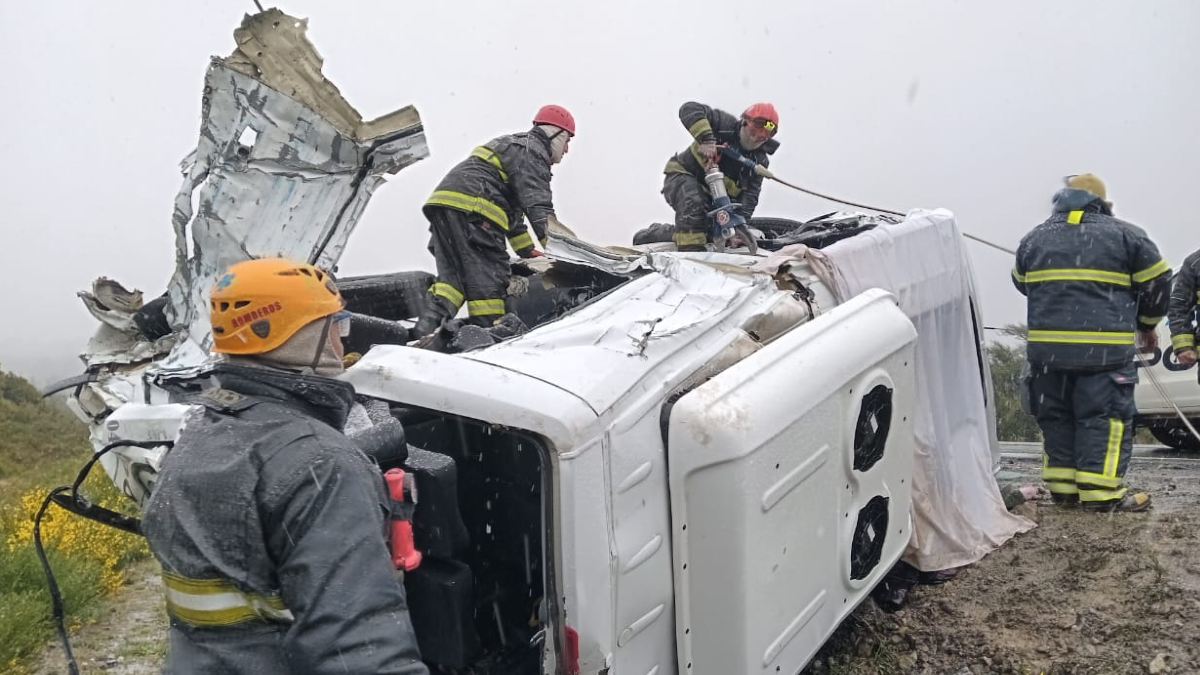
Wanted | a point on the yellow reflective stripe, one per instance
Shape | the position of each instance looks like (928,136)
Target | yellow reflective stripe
(471,204)
(1018,276)
(485,307)
(1150,320)
(448,292)
(1097,480)
(1057,473)
(1102,276)
(1081,337)
(1074,217)
(489,156)
(1101,495)
(520,241)
(1062,488)
(1183,341)
(1197,296)
(689,238)
(700,127)
(699,160)
(1116,429)
(216,602)
(1160,267)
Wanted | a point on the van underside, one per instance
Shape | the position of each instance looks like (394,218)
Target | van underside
(478,599)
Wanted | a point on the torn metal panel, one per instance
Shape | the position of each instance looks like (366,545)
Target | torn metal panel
(118,340)
(112,346)
(284,165)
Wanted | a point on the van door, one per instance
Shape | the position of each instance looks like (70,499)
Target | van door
(790,477)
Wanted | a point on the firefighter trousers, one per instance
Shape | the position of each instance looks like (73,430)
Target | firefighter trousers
(1086,419)
(687,195)
(471,254)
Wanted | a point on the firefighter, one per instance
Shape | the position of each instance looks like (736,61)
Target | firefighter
(1185,295)
(483,201)
(753,134)
(1096,289)
(267,520)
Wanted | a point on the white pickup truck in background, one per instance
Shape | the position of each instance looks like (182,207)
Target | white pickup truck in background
(1178,385)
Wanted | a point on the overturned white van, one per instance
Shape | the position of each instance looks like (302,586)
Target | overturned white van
(689,463)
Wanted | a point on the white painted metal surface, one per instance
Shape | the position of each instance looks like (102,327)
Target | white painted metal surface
(764,496)
(644,332)
(133,470)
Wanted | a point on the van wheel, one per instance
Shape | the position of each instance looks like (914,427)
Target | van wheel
(401,295)
(775,227)
(1173,433)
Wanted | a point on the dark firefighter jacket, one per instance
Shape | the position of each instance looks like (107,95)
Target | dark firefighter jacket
(269,525)
(1185,295)
(1091,280)
(705,124)
(503,179)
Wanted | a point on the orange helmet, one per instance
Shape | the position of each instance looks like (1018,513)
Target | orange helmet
(258,304)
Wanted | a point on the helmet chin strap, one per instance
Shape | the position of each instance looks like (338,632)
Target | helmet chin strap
(321,344)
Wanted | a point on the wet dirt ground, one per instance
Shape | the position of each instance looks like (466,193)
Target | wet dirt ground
(1083,594)
(129,637)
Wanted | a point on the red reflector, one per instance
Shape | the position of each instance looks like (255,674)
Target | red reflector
(571,657)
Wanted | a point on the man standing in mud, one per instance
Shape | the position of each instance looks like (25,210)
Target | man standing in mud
(482,202)
(1096,289)
(267,520)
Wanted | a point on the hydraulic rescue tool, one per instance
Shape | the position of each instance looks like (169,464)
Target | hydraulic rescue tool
(725,220)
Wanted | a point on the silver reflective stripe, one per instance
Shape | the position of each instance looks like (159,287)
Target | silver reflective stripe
(220,603)
(217,602)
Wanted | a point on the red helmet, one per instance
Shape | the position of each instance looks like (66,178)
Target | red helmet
(762,115)
(556,115)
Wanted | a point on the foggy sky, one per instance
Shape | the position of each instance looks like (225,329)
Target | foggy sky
(977,107)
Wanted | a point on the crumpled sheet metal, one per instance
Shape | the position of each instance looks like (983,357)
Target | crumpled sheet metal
(688,305)
(284,165)
(112,304)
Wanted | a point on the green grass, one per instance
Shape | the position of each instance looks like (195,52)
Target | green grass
(25,612)
(42,445)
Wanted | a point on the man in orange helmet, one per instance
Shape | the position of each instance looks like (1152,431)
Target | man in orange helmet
(483,201)
(267,520)
(753,135)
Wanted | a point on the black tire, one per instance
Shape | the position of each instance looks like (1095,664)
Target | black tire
(368,331)
(815,234)
(401,295)
(774,227)
(1172,433)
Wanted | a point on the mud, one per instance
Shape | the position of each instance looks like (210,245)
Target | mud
(129,637)
(1082,594)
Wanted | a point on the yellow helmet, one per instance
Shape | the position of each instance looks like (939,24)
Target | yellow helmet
(258,304)
(1088,182)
